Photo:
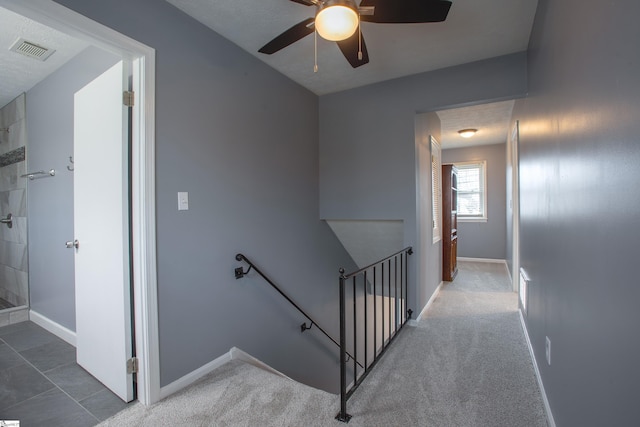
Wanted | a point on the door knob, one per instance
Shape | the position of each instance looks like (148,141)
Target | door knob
(74,244)
(8,220)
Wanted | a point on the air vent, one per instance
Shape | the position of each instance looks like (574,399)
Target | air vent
(32,50)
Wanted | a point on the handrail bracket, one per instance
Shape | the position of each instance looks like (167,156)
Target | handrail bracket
(304,326)
(240,273)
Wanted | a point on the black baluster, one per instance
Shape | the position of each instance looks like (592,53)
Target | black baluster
(364,290)
(375,316)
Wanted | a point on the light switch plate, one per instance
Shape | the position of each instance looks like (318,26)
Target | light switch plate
(183,201)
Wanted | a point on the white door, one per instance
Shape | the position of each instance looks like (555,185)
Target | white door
(101,229)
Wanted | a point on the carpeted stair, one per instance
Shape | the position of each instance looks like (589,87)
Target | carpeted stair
(236,394)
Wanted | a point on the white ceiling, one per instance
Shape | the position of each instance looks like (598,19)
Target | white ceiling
(491,120)
(251,23)
(473,30)
(19,73)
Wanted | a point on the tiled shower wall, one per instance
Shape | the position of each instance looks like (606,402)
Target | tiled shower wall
(14,276)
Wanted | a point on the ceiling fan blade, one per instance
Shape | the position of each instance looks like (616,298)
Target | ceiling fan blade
(288,37)
(304,2)
(350,49)
(406,11)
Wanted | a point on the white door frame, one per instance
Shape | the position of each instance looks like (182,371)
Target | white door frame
(70,22)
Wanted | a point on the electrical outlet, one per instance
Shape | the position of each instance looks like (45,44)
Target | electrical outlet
(547,350)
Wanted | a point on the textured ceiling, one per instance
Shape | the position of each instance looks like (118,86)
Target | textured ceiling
(20,73)
(474,30)
(491,120)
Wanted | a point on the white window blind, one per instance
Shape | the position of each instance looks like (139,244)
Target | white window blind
(472,194)
(436,189)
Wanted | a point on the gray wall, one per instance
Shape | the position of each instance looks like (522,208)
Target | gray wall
(50,199)
(368,143)
(580,207)
(243,141)
(484,239)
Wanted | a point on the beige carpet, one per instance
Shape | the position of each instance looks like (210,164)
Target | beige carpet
(236,394)
(465,364)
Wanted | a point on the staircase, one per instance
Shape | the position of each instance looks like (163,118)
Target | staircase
(252,394)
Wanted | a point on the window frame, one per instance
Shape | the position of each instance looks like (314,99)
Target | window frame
(482,165)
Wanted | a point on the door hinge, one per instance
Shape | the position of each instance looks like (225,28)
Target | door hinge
(128,98)
(132,365)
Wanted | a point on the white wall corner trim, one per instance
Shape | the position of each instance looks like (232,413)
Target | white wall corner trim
(547,407)
(413,322)
(55,328)
(194,376)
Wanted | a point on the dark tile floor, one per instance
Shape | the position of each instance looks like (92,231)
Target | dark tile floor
(42,385)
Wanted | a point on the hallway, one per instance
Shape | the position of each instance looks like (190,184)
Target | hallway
(465,364)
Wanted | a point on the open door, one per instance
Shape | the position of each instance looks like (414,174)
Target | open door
(101,229)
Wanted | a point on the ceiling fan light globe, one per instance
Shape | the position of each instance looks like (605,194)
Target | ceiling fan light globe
(336,21)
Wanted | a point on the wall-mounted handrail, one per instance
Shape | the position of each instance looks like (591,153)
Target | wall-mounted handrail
(240,273)
(392,318)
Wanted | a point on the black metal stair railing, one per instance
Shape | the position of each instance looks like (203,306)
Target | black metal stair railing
(240,273)
(380,288)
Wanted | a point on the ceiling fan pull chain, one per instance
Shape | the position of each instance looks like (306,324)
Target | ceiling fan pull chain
(359,42)
(315,51)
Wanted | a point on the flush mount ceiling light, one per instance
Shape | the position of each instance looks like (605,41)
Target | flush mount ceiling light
(467,133)
(337,20)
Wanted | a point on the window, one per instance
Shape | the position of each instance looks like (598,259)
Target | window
(436,189)
(472,194)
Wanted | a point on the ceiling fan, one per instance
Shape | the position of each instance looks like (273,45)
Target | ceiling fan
(338,20)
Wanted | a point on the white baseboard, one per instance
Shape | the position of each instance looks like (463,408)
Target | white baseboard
(489,260)
(194,376)
(547,407)
(55,328)
(413,322)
